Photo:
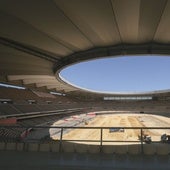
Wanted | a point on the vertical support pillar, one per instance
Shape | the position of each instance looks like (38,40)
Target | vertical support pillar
(101,139)
(61,138)
(141,134)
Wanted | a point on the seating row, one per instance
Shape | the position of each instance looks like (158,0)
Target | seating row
(152,149)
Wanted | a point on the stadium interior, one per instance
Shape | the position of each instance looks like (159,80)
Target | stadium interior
(46,123)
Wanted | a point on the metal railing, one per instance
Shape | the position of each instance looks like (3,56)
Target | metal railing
(9,133)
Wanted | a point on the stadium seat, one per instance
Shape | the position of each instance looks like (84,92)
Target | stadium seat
(93,148)
(2,145)
(81,148)
(20,147)
(33,147)
(121,149)
(163,149)
(68,147)
(134,149)
(108,149)
(44,147)
(10,146)
(149,149)
(54,147)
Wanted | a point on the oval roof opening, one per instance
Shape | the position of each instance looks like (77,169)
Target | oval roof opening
(129,74)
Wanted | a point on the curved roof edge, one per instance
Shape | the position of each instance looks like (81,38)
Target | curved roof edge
(112,51)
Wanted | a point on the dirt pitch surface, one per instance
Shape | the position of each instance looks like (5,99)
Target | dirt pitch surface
(119,120)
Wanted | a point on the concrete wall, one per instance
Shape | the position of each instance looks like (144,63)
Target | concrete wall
(16,160)
(69,147)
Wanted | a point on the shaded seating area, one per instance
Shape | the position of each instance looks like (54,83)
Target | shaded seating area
(6,109)
(17,101)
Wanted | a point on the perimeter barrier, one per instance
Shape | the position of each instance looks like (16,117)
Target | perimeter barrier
(45,134)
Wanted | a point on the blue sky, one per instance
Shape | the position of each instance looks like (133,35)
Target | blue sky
(121,74)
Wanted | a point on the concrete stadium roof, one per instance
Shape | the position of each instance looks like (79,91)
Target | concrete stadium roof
(40,37)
